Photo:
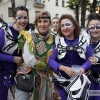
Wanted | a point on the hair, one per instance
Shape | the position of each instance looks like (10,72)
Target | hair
(1,20)
(23,8)
(40,14)
(55,18)
(31,26)
(93,16)
(75,23)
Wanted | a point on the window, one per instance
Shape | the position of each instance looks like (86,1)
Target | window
(56,15)
(36,12)
(63,3)
(56,3)
(38,1)
(10,12)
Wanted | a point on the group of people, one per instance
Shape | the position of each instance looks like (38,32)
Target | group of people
(64,56)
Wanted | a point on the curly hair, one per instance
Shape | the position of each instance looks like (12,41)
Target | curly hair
(93,16)
(75,23)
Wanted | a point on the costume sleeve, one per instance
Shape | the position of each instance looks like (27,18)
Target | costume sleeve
(4,57)
(89,53)
(52,60)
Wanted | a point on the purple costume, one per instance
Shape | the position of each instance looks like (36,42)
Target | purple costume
(71,58)
(7,61)
(95,68)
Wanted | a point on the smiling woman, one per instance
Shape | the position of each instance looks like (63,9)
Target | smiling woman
(93,27)
(9,56)
(70,57)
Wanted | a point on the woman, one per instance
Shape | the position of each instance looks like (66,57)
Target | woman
(9,56)
(93,27)
(72,48)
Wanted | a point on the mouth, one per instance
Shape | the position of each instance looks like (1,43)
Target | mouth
(23,25)
(95,33)
(42,28)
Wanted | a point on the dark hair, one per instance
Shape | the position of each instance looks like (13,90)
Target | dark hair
(1,20)
(93,16)
(21,8)
(31,26)
(75,23)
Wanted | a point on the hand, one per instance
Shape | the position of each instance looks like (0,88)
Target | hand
(93,59)
(82,71)
(18,60)
(69,71)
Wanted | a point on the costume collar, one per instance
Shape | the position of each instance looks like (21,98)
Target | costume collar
(42,37)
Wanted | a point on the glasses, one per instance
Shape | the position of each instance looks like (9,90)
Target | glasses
(66,25)
(92,27)
(20,17)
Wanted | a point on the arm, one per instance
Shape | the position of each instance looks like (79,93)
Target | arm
(5,57)
(52,60)
(89,53)
(56,66)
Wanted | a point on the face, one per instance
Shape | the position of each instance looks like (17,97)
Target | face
(21,19)
(43,26)
(94,28)
(67,28)
(55,24)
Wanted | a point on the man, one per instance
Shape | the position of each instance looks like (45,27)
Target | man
(55,25)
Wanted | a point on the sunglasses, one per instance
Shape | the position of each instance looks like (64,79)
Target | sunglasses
(92,27)
(20,17)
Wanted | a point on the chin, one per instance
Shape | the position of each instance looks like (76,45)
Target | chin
(43,33)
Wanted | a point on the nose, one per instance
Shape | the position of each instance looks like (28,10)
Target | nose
(42,23)
(22,19)
(65,27)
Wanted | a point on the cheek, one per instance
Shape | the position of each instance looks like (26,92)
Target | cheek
(47,26)
(27,21)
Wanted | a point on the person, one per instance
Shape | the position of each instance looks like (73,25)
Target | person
(72,49)
(54,25)
(9,56)
(43,41)
(54,29)
(93,26)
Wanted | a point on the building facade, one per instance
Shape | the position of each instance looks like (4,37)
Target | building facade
(55,7)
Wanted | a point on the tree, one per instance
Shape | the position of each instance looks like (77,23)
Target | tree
(13,5)
(93,6)
(25,3)
(83,12)
(74,5)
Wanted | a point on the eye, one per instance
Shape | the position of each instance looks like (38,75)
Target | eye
(91,27)
(57,22)
(98,26)
(25,17)
(39,21)
(68,24)
(45,21)
(18,17)
(62,25)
